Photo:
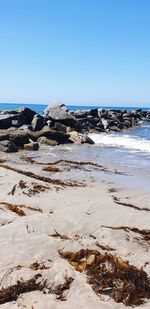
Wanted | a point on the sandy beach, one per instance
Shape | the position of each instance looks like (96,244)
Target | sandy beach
(42,218)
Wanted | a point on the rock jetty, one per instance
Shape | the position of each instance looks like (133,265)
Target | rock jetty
(23,128)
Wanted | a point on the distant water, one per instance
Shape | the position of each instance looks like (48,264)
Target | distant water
(39,108)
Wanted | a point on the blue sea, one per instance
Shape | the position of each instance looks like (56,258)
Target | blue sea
(127,151)
(39,108)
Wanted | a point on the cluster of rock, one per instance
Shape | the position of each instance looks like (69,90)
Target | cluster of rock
(23,128)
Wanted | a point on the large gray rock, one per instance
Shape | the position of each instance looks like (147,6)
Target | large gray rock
(58,113)
(55,105)
(7,146)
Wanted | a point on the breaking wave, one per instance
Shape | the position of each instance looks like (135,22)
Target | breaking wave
(124,141)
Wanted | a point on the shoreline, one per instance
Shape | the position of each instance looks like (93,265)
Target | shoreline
(38,219)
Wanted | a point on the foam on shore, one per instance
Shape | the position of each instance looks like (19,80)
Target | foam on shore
(125,141)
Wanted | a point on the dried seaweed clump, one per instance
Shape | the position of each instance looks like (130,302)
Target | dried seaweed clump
(12,293)
(14,208)
(31,190)
(37,283)
(52,169)
(112,276)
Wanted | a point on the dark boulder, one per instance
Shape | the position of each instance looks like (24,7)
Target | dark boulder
(115,123)
(19,138)
(27,113)
(11,120)
(60,127)
(7,146)
(31,146)
(94,112)
(58,136)
(37,122)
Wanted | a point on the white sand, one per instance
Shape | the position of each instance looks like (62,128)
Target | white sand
(70,211)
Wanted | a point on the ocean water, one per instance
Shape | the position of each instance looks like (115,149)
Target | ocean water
(39,108)
(127,151)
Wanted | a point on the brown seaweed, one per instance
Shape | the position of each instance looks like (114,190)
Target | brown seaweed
(61,288)
(27,159)
(104,247)
(22,184)
(12,192)
(112,276)
(16,208)
(36,189)
(58,235)
(75,162)
(145,233)
(53,169)
(117,201)
(12,293)
(37,266)
(43,178)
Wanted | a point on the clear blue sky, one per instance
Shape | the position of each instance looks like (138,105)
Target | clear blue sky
(77,51)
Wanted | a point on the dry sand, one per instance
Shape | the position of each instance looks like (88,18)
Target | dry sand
(78,215)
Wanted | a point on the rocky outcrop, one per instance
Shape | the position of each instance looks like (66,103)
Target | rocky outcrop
(102,120)
(25,129)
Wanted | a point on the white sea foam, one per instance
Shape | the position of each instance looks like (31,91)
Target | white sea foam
(125,141)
